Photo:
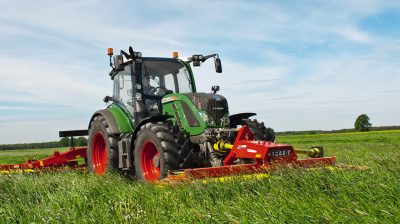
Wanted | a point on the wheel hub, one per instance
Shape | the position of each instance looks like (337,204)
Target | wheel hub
(156,161)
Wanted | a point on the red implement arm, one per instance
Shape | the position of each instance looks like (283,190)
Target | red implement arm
(267,155)
(58,159)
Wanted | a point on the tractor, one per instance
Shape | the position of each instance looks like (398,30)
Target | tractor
(156,122)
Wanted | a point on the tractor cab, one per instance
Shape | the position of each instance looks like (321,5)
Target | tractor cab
(155,78)
(140,83)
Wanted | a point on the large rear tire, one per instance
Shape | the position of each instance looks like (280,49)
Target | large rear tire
(155,152)
(102,152)
(259,130)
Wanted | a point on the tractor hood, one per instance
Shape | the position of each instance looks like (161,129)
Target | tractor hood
(214,104)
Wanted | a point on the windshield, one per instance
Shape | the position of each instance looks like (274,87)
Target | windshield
(169,74)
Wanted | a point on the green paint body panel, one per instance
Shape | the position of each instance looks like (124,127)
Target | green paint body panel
(123,117)
(179,115)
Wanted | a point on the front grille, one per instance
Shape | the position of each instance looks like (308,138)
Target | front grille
(216,105)
(218,108)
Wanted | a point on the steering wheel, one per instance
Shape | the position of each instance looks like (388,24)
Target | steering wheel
(159,91)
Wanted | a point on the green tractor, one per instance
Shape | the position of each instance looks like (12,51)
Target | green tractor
(156,122)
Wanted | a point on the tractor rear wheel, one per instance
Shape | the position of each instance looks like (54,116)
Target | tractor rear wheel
(259,130)
(102,152)
(155,152)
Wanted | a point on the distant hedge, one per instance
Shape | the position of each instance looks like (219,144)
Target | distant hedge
(382,128)
(64,142)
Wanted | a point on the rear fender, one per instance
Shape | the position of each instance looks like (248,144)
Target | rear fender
(235,119)
(119,120)
(109,118)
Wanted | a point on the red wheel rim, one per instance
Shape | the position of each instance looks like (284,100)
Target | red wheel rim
(150,161)
(99,154)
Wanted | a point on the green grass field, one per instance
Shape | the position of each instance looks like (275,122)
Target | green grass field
(288,196)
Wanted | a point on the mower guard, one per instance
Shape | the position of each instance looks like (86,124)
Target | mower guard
(266,156)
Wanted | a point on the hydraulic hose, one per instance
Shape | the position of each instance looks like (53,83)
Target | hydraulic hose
(214,157)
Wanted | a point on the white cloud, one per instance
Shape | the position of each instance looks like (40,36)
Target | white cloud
(354,34)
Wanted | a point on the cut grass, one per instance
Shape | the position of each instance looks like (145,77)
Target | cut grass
(288,196)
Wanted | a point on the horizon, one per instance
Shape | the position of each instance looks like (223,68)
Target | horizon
(278,132)
(299,66)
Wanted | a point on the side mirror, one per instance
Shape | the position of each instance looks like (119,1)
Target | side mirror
(218,65)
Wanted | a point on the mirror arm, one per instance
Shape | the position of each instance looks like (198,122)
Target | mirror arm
(127,56)
(190,59)
(209,56)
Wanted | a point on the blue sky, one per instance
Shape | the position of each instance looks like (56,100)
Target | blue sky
(299,65)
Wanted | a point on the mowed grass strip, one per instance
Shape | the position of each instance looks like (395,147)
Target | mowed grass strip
(288,196)
(21,155)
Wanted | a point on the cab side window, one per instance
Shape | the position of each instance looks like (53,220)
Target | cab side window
(123,91)
(116,87)
(169,82)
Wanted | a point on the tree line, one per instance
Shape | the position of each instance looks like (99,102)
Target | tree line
(64,142)
(382,128)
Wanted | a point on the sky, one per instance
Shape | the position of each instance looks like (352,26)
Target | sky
(300,65)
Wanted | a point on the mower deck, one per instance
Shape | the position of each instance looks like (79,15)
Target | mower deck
(243,169)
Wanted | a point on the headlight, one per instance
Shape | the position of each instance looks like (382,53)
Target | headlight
(225,120)
(203,116)
(138,97)
(207,118)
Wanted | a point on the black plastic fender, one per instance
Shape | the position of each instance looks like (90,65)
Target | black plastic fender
(109,118)
(151,119)
(235,119)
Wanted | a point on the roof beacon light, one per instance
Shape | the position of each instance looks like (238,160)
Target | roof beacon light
(110,51)
(175,54)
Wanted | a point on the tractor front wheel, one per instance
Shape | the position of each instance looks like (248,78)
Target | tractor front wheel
(102,149)
(155,152)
